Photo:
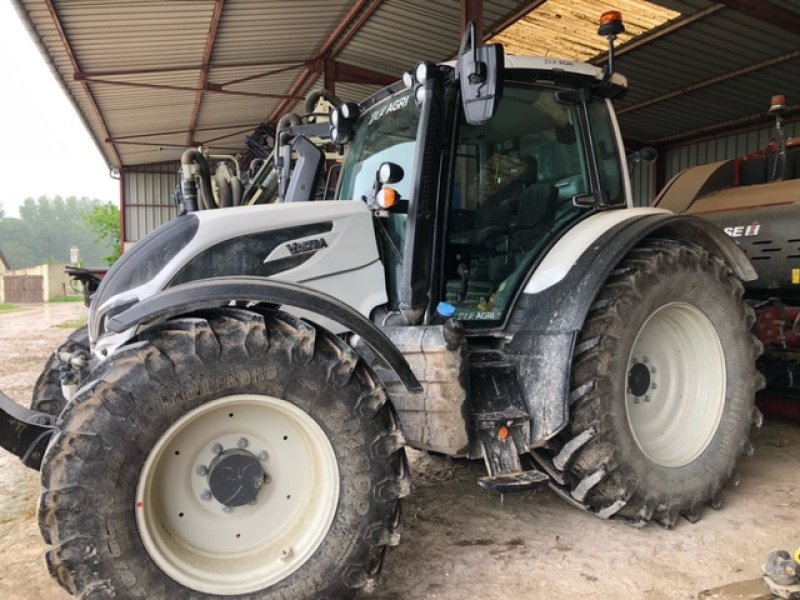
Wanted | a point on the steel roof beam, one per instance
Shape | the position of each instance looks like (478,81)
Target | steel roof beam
(227,135)
(767,12)
(347,73)
(706,131)
(762,64)
(76,67)
(181,68)
(265,73)
(512,17)
(658,32)
(344,31)
(212,35)
(209,89)
(177,131)
(173,146)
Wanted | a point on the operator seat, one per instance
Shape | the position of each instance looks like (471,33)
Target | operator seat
(497,212)
(534,212)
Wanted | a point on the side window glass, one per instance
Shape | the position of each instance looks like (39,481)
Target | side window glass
(514,180)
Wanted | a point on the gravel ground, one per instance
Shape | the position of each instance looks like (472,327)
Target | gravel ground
(461,542)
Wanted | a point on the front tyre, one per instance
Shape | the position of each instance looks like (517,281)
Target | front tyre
(230,454)
(664,380)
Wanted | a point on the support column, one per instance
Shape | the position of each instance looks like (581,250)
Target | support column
(330,75)
(472,10)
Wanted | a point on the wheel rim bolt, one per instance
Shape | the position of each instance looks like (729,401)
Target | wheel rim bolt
(653,370)
(242,443)
(202,471)
(267,478)
(286,554)
(645,360)
(216,449)
(262,456)
(205,496)
(226,509)
(653,386)
(647,398)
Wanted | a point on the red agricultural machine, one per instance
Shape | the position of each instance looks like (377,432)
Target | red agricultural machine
(755,199)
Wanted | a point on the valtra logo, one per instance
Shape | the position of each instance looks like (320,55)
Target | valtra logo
(307,246)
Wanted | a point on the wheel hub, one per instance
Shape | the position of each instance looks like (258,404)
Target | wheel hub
(235,477)
(639,379)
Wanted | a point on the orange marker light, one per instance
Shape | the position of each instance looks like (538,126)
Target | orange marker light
(502,433)
(610,16)
(387,197)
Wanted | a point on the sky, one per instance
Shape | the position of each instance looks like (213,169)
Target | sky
(44,148)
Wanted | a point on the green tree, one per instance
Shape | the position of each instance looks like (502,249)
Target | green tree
(103,222)
(45,231)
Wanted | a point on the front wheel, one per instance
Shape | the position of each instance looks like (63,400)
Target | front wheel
(232,454)
(663,384)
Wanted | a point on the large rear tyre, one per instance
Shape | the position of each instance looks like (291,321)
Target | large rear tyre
(48,396)
(232,454)
(663,387)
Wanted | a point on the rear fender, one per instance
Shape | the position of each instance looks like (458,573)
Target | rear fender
(219,292)
(550,313)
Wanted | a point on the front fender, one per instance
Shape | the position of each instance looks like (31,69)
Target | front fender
(217,292)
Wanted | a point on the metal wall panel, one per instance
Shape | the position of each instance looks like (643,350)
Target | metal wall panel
(148,198)
(721,148)
(643,181)
(683,157)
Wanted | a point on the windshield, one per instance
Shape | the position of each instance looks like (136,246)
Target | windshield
(385,132)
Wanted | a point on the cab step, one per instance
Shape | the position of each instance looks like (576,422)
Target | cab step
(509,483)
(503,435)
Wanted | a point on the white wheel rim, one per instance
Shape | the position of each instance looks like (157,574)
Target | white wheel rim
(194,540)
(675,418)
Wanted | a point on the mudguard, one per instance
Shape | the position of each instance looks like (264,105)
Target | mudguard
(219,291)
(550,313)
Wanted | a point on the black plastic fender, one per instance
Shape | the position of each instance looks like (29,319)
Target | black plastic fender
(543,326)
(219,291)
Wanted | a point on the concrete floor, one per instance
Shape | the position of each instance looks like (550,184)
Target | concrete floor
(461,542)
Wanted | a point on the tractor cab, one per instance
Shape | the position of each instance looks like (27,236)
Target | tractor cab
(472,202)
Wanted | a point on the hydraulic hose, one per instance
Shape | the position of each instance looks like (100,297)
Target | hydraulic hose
(190,157)
(313,98)
(286,121)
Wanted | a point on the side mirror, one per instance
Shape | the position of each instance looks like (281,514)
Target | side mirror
(480,72)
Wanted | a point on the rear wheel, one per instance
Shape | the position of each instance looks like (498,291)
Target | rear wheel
(232,454)
(663,385)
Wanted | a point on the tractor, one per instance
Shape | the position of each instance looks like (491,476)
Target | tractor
(480,286)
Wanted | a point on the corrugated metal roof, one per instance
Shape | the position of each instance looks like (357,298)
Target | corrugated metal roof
(133,68)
